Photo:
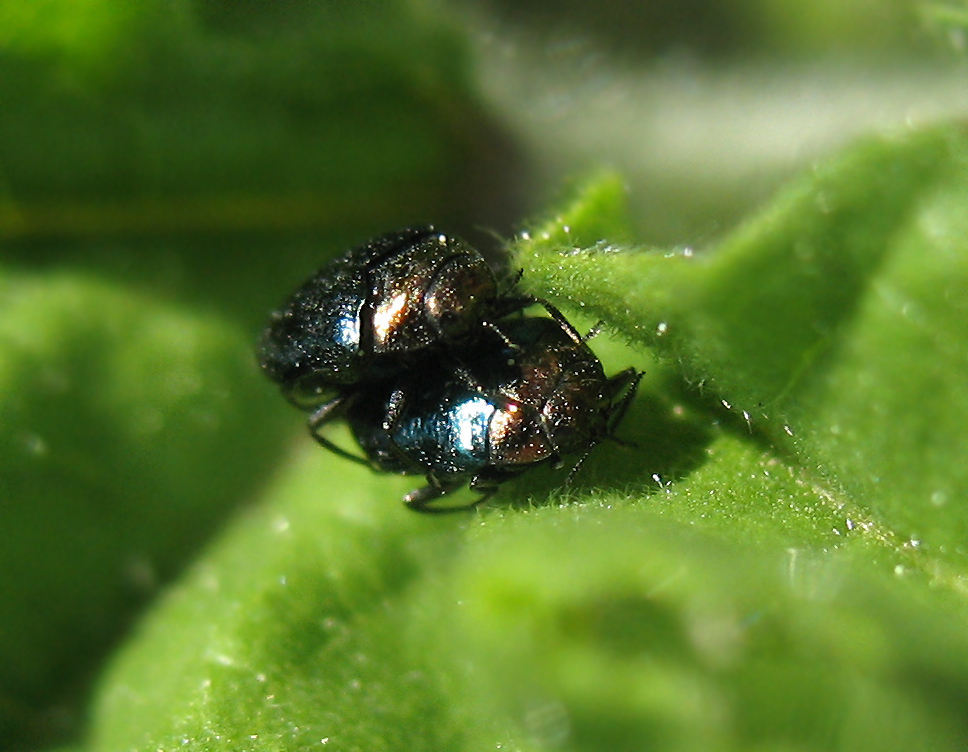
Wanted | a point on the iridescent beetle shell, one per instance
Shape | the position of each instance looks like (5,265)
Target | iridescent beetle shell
(492,411)
(359,317)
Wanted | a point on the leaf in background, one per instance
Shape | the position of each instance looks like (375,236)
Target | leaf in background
(239,144)
(82,39)
(126,434)
(340,114)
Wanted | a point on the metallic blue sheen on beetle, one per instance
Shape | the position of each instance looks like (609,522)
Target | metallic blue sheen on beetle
(495,410)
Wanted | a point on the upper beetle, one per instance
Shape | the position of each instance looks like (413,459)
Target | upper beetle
(489,411)
(358,318)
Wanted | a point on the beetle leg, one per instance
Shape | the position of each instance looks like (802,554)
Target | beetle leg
(574,470)
(555,457)
(327,413)
(629,380)
(394,408)
(512,303)
(507,298)
(486,483)
(559,317)
(517,277)
(593,332)
(419,498)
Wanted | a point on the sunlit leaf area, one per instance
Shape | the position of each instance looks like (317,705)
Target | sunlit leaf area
(762,207)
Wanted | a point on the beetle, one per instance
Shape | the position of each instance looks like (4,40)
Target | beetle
(490,410)
(359,318)
(369,314)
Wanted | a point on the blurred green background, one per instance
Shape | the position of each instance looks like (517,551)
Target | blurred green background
(171,169)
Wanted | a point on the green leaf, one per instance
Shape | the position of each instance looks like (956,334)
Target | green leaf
(125,438)
(834,323)
(202,119)
(84,36)
(333,616)
(620,631)
(292,630)
(771,556)
(739,576)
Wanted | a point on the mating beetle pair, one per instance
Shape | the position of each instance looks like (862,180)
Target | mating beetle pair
(410,339)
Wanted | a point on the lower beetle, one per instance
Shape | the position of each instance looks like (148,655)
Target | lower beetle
(486,413)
